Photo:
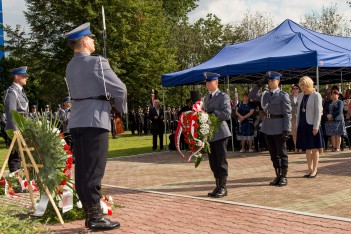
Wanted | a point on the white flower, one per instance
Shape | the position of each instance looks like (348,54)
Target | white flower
(12,174)
(56,130)
(79,205)
(60,204)
(203,117)
(205,126)
(110,200)
(204,131)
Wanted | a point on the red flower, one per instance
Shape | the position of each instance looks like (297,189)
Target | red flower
(196,135)
(61,134)
(69,162)
(63,182)
(196,126)
(195,118)
(66,147)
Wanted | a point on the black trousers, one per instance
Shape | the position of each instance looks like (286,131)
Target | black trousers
(277,149)
(90,150)
(218,158)
(157,133)
(14,162)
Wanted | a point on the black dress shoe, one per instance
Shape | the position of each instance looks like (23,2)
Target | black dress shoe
(313,176)
(103,224)
(221,192)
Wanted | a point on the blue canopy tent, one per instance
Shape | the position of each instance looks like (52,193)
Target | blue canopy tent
(289,48)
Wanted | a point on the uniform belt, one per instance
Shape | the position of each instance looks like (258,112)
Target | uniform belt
(101,97)
(270,116)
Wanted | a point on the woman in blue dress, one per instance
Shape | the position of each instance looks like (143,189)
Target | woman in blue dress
(244,111)
(335,125)
(309,114)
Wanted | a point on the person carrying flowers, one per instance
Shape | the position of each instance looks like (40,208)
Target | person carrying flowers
(218,103)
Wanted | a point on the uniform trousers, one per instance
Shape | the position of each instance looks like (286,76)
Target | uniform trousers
(90,150)
(218,158)
(277,149)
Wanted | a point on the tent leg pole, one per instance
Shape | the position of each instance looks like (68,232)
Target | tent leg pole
(231,119)
(342,82)
(317,78)
(164,117)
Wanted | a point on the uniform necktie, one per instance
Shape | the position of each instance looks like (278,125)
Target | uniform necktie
(210,96)
(271,93)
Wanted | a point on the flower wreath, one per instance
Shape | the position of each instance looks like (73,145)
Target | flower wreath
(197,127)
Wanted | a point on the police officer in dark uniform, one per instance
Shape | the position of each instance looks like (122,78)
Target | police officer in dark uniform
(16,99)
(91,81)
(218,103)
(277,123)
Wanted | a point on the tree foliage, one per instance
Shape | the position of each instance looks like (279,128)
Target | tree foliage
(137,35)
(328,21)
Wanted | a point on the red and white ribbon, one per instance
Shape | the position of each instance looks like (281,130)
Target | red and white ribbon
(182,127)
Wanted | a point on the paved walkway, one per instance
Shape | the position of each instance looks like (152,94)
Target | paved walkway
(161,193)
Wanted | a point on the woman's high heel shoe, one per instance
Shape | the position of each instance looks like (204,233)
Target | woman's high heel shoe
(314,175)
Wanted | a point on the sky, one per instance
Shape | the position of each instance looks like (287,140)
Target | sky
(229,11)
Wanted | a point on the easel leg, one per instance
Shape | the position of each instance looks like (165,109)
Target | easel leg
(24,163)
(35,166)
(8,155)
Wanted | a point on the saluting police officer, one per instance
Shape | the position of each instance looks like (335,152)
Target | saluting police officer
(16,99)
(91,81)
(218,103)
(277,123)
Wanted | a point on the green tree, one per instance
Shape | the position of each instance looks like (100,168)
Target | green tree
(138,32)
(328,21)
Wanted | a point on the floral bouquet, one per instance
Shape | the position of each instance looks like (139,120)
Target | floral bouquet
(197,127)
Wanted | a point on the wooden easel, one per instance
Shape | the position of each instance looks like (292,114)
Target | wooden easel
(22,147)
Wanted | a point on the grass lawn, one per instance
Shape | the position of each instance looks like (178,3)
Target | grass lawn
(124,145)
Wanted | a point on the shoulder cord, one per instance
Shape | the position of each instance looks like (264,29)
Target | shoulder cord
(266,106)
(103,78)
(69,93)
(18,102)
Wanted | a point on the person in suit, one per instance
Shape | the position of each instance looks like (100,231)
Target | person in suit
(309,115)
(156,115)
(276,125)
(133,120)
(140,121)
(218,103)
(16,99)
(91,83)
(293,99)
